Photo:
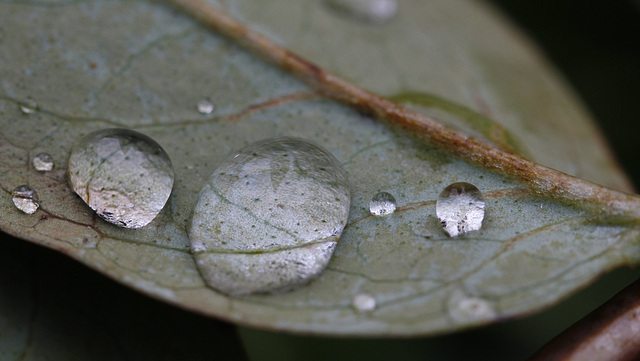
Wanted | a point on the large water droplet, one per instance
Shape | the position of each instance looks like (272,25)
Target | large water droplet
(43,162)
(25,199)
(382,203)
(373,11)
(205,107)
(28,106)
(125,176)
(269,217)
(363,302)
(460,208)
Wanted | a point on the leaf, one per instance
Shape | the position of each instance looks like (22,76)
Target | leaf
(141,65)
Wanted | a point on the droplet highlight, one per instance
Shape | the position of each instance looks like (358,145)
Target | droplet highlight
(43,162)
(205,107)
(460,209)
(28,106)
(382,204)
(269,217)
(124,176)
(25,199)
(363,302)
(371,11)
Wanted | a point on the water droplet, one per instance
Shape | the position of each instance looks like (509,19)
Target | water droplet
(460,209)
(28,106)
(205,106)
(125,176)
(25,199)
(269,217)
(463,308)
(43,162)
(372,11)
(363,302)
(382,203)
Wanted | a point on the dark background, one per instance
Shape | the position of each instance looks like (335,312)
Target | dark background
(595,44)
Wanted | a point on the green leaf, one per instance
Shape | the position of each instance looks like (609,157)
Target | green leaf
(141,65)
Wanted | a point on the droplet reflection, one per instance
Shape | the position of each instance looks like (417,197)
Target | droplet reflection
(28,106)
(371,11)
(205,107)
(269,217)
(43,162)
(460,209)
(363,302)
(25,199)
(125,176)
(382,204)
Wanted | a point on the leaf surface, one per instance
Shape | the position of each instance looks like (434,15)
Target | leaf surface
(141,65)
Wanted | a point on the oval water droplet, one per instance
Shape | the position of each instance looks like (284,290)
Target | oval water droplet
(28,106)
(460,208)
(382,204)
(466,309)
(363,302)
(269,217)
(43,162)
(25,199)
(372,11)
(205,106)
(125,176)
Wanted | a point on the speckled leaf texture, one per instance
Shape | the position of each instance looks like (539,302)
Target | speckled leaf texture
(143,65)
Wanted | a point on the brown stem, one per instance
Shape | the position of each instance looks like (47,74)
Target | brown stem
(610,333)
(542,180)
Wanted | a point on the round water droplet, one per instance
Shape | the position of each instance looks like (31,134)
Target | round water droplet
(269,217)
(28,106)
(205,106)
(464,308)
(460,209)
(382,203)
(363,302)
(125,176)
(25,199)
(43,162)
(372,11)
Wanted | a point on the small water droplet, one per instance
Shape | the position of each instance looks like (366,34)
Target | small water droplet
(464,308)
(28,106)
(113,168)
(205,106)
(372,11)
(460,209)
(43,162)
(25,199)
(363,302)
(382,204)
(269,217)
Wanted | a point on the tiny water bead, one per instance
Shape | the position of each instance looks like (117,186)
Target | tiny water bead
(43,162)
(372,11)
(28,106)
(363,302)
(464,309)
(269,217)
(382,204)
(124,176)
(25,199)
(460,208)
(205,107)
